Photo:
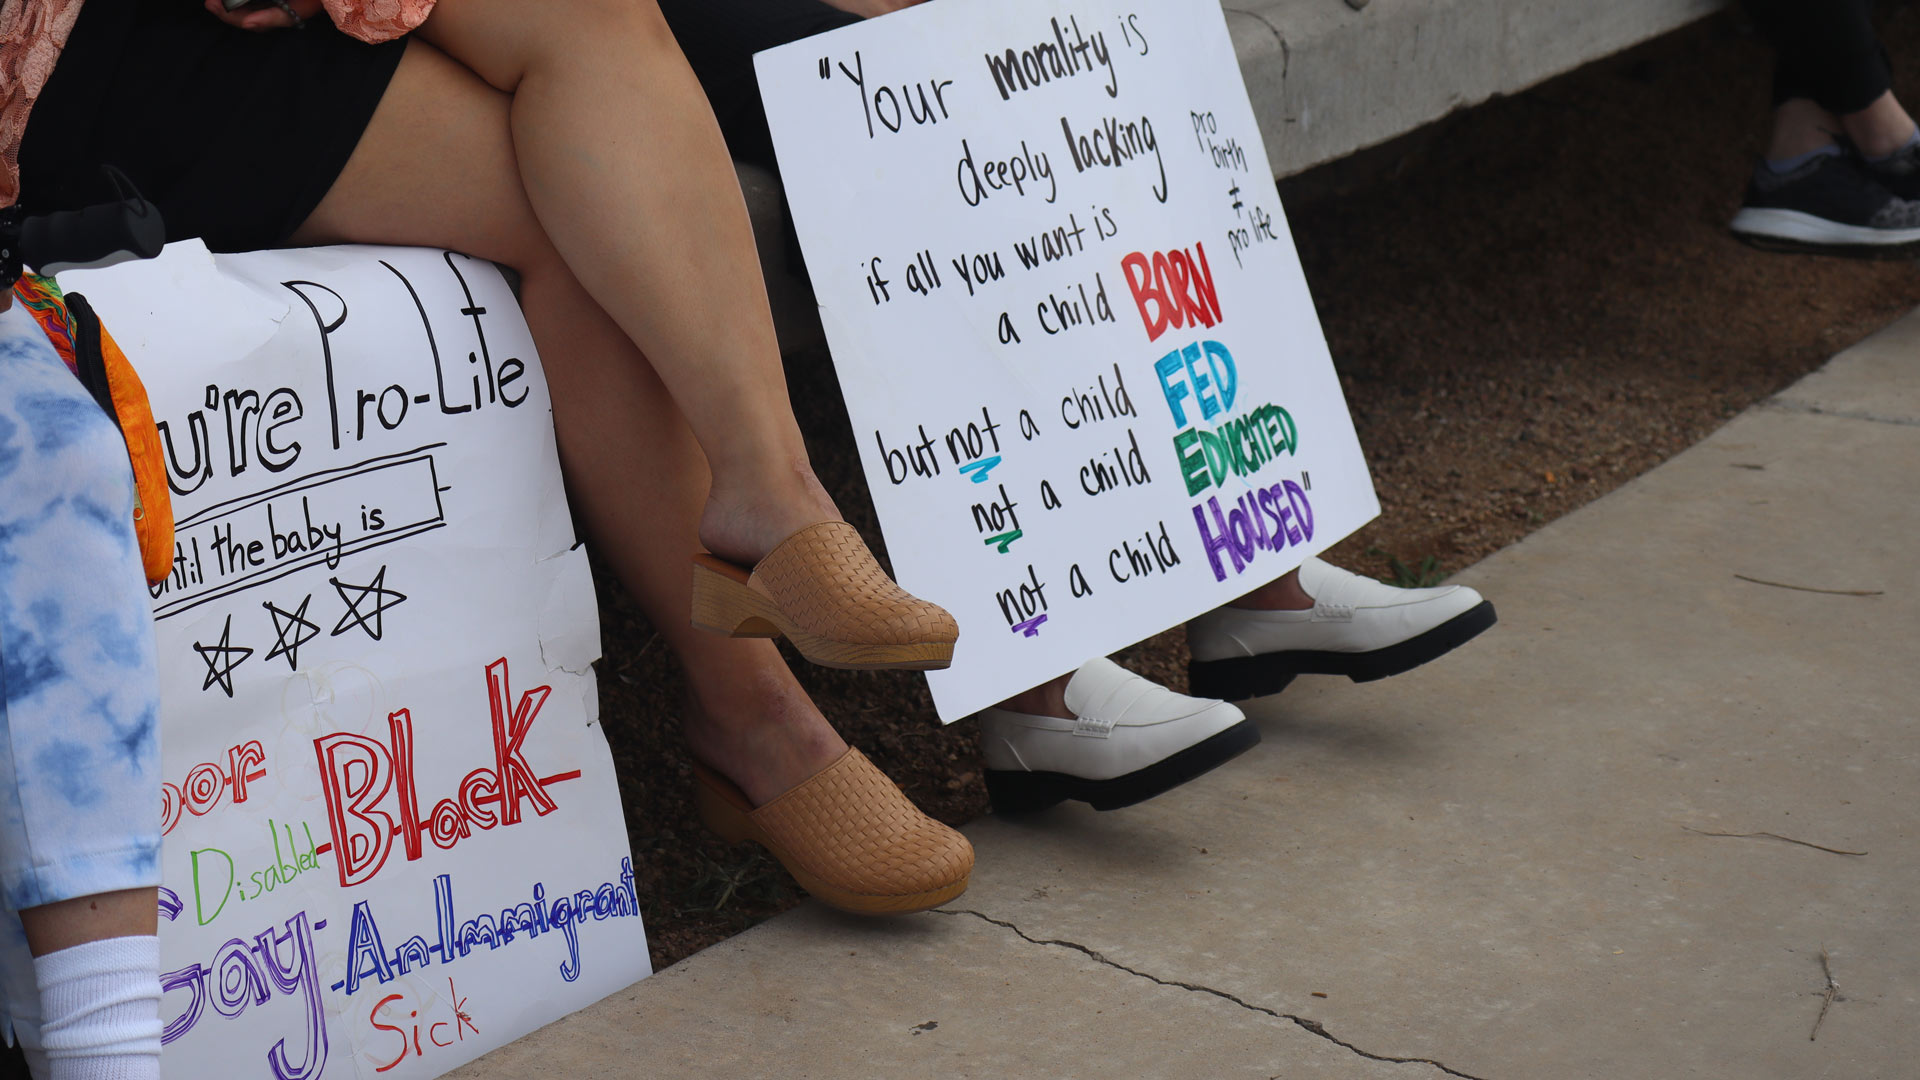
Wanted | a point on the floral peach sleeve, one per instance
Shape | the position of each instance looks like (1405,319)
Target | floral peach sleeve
(377,20)
(32,33)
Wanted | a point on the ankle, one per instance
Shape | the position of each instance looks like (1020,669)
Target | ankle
(750,707)
(745,519)
(1801,127)
(1284,593)
(100,1004)
(758,730)
(1047,699)
(1783,166)
(1881,128)
(1912,140)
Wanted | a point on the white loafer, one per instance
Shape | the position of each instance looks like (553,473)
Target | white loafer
(1131,739)
(1357,627)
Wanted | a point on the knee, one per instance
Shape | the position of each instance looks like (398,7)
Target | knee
(626,18)
(634,27)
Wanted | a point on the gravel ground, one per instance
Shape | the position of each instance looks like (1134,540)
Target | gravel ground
(1530,303)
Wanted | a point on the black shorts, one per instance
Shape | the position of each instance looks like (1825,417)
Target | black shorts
(235,135)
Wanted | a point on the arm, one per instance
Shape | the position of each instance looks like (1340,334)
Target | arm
(869,8)
(368,20)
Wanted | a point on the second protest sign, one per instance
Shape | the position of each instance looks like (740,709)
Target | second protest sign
(1084,372)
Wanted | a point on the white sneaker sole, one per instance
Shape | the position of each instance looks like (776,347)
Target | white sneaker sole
(1797,227)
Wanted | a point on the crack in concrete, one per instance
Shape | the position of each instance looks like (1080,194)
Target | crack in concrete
(1313,1026)
(1286,51)
(1810,409)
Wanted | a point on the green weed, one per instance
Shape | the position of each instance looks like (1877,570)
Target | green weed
(1423,576)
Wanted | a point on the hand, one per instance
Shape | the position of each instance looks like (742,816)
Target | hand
(867,9)
(262,16)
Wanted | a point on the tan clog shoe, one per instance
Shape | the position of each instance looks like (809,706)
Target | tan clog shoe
(848,835)
(822,589)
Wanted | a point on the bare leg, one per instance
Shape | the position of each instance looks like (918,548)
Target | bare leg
(1880,128)
(1800,127)
(62,925)
(435,167)
(625,167)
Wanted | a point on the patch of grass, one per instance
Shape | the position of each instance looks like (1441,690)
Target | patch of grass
(1425,575)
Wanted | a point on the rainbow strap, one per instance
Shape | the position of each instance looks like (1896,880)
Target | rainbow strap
(42,296)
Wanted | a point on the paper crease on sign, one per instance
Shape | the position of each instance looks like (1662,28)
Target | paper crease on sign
(182,289)
(569,622)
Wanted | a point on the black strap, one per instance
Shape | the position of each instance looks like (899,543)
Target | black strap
(88,354)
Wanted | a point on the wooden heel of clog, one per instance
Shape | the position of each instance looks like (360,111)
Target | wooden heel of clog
(724,604)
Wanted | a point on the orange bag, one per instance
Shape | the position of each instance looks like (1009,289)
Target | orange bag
(93,357)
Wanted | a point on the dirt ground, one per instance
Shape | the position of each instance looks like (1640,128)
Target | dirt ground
(1530,303)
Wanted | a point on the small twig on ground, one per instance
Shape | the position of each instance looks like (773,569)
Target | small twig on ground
(1809,588)
(1833,988)
(644,649)
(1771,836)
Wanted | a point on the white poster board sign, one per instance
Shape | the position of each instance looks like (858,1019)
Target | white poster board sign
(1084,373)
(393,836)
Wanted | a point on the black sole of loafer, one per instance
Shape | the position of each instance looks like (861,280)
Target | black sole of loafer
(1245,677)
(1015,792)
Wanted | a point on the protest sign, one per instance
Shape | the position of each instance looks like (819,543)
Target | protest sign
(1084,372)
(393,839)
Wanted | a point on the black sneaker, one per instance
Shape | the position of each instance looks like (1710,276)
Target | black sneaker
(1831,204)
(1899,173)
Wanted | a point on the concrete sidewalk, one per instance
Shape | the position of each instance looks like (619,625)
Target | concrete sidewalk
(1515,863)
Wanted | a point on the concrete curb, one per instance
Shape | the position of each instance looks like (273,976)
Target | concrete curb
(1328,77)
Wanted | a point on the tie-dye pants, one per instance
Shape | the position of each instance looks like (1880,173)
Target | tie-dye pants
(79,708)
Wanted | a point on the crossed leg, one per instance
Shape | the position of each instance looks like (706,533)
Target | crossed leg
(437,166)
(625,166)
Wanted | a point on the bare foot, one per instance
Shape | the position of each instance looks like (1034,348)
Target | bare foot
(742,523)
(1047,699)
(1281,594)
(758,728)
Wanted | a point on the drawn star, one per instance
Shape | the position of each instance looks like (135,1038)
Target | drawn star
(295,621)
(222,659)
(376,590)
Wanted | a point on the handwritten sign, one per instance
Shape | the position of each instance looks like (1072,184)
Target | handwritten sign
(1090,392)
(393,836)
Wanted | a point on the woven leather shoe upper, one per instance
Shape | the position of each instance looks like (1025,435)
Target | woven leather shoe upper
(852,827)
(826,580)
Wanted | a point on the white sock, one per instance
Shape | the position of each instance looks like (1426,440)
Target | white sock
(100,1010)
